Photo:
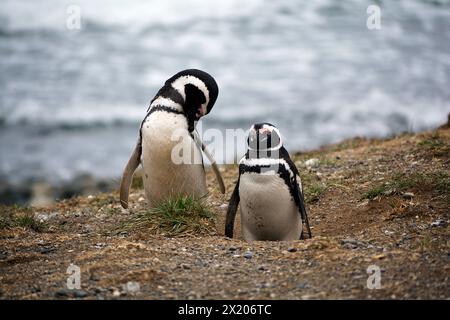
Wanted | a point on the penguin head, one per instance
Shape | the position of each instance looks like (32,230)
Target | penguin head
(264,137)
(198,89)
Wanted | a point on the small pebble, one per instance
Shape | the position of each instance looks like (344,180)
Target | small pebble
(79,293)
(408,195)
(292,249)
(45,250)
(116,293)
(438,223)
(132,287)
(248,255)
(350,243)
(62,293)
(302,285)
(312,163)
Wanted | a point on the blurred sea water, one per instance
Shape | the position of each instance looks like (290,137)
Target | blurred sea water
(71,100)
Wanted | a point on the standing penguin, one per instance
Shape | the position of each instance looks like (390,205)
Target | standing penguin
(269,190)
(168,146)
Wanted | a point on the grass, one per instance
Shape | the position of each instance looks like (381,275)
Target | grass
(434,145)
(438,181)
(19,217)
(177,216)
(375,192)
(314,191)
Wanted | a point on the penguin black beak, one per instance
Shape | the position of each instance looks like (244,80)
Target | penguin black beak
(200,112)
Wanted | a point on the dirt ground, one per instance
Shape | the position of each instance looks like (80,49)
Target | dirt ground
(380,204)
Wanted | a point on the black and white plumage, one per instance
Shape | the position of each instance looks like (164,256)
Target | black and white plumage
(268,190)
(168,128)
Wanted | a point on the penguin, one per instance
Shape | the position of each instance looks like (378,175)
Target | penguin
(168,145)
(269,190)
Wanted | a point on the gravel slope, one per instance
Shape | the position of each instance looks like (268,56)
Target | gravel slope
(371,202)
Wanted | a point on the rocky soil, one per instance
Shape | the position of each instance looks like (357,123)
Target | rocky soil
(377,204)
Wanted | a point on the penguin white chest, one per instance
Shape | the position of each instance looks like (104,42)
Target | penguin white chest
(171,161)
(268,211)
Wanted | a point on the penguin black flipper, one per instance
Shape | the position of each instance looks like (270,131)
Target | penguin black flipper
(128,172)
(231,212)
(302,210)
(297,192)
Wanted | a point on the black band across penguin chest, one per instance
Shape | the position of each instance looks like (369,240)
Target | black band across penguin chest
(281,171)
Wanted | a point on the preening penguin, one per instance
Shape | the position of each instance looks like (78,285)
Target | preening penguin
(268,189)
(168,146)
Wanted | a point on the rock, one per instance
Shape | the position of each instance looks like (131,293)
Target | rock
(292,249)
(80,293)
(35,290)
(43,217)
(63,293)
(312,163)
(408,195)
(232,248)
(438,223)
(302,285)
(350,243)
(45,250)
(132,287)
(94,277)
(248,255)
(77,293)
(116,293)
(100,245)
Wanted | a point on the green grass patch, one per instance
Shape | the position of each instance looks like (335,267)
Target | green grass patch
(434,145)
(314,191)
(438,181)
(177,216)
(19,217)
(375,192)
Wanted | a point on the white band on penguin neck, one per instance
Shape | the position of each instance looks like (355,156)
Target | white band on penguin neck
(180,83)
